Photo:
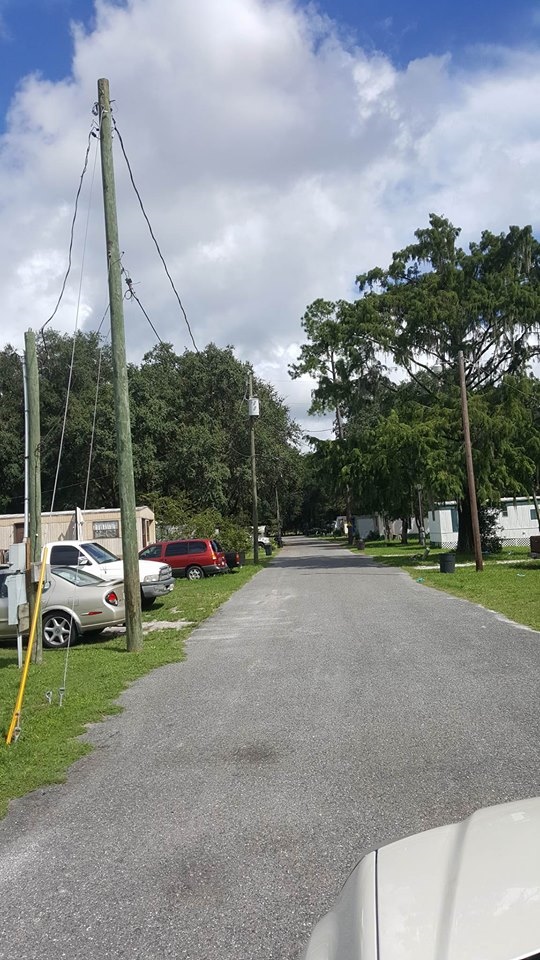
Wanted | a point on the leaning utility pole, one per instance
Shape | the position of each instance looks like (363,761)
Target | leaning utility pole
(253,406)
(470,469)
(126,483)
(34,482)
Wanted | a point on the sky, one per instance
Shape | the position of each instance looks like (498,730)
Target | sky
(280,148)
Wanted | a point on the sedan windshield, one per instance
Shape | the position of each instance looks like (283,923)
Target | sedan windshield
(98,553)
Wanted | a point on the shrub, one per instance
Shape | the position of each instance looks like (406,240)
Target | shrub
(489,530)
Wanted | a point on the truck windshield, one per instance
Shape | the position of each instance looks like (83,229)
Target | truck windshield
(99,554)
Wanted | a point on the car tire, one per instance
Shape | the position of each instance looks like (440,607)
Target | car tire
(195,573)
(146,602)
(59,630)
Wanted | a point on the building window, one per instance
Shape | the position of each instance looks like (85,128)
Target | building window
(105,529)
(533,513)
(455,520)
(504,510)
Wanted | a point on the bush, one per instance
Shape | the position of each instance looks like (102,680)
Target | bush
(232,536)
(489,530)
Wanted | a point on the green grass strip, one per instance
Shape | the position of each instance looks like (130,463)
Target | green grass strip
(98,671)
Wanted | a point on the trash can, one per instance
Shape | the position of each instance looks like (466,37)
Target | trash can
(447,563)
(361,544)
(267,549)
(535,546)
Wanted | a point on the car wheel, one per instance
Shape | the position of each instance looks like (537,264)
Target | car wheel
(59,630)
(194,573)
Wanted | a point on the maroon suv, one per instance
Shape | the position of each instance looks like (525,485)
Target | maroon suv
(193,559)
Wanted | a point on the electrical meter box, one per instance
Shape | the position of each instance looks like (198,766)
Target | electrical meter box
(253,406)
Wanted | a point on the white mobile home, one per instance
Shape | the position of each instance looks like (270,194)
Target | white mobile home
(516,522)
(103,525)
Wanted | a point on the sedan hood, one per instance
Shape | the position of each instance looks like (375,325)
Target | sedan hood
(469,891)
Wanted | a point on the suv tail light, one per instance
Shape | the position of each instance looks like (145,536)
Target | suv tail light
(112,598)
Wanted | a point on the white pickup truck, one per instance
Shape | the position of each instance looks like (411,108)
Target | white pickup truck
(156,578)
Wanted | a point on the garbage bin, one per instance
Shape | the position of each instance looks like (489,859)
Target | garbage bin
(535,546)
(447,563)
(361,544)
(267,549)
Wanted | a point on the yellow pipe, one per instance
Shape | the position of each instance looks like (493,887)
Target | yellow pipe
(22,685)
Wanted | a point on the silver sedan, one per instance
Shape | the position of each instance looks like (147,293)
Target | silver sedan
(74,603)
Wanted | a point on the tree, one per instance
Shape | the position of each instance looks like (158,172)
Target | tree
(434,300)
(11,432)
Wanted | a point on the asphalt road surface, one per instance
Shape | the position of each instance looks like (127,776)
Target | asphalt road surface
(328,707)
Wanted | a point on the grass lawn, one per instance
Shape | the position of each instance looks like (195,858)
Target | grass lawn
(97,672)
(511,588)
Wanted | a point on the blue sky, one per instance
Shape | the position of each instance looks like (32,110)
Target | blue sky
(35,35)
(279,154)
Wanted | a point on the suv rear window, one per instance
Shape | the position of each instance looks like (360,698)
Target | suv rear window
(197,546)
(178,549)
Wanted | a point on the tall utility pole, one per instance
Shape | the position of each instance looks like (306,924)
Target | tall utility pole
(126,483)
(34,481)
(341,436)
(252,405)
(278,520)
(470,468)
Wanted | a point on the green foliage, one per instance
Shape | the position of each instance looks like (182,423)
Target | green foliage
(190,432)
(488,518)
(433,301)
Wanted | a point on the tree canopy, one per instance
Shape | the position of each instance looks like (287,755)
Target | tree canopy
(389,362)
(190,431)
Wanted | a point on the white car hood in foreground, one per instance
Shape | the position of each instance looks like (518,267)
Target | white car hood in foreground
(469,891)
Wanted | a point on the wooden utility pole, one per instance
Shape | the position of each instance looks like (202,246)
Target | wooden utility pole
(341,436)
(278,519)
(255,520)
(470,467)
(34,482)
(126,483)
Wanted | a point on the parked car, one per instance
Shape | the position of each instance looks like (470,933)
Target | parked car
(233,558)
(73,603)
(101,562)
(194,559)
(466,891)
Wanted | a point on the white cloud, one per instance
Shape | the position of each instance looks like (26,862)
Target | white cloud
(275,164)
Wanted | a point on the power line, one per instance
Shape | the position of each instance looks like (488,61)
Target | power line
(91,134)
(131,295)
(152,234)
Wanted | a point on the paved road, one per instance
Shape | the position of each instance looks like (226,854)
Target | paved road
(328,707)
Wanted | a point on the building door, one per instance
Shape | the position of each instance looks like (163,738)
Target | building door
(18,532)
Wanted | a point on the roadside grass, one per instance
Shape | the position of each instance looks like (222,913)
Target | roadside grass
(97,672)
(511,588)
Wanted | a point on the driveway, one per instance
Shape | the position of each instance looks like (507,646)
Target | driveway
(328,707)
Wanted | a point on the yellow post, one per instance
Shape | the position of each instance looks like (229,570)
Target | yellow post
(18,704)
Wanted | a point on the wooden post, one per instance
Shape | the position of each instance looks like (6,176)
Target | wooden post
(126,482)
(255,509)
(34,484)
(470,467)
